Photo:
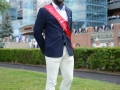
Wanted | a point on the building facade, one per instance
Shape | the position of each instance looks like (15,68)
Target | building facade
(87,13)
(91,19)
(109,34)
(26,14)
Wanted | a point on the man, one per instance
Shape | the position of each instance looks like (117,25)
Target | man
(56,21)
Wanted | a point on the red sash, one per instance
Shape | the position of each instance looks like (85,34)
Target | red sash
(63,23)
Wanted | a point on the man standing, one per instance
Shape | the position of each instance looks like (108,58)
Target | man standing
(56,21)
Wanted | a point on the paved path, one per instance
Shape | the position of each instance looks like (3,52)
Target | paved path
(80,74)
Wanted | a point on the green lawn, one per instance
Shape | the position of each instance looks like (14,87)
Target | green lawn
(14,79)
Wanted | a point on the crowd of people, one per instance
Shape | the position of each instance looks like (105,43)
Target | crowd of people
(26,39)
(98,44)
(33,43)
(113,17)
(113,1)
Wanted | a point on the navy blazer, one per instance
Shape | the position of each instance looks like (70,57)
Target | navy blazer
(52,45)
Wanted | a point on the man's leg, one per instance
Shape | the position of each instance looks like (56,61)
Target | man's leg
(66,67)
(52,65)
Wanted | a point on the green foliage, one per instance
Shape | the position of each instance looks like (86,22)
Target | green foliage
(107,59)
(4,5)
(25,56)
(80,56)
(6,27)
(98,58)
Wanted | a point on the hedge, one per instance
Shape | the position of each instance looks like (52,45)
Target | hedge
(91,58)
(98,58)
(24,56)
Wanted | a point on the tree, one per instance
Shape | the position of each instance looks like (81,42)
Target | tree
(6,27)
(4,5)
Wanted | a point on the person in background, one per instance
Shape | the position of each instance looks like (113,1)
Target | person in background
(30,45)
(56,21)
(17,39)
(108,44)
(23,38)
(10,38)
(97,43)
(35,42)
(77,45)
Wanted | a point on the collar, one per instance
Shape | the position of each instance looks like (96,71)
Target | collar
(56,7)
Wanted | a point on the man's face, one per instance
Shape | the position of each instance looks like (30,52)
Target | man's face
(58,1)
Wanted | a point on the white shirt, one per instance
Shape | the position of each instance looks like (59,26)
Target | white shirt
(62,12)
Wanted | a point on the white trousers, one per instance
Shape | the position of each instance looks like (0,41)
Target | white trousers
(66,65)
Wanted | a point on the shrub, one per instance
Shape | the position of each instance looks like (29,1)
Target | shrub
(25,56)
(91,58)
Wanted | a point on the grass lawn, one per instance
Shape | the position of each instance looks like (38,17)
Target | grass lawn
(14,79)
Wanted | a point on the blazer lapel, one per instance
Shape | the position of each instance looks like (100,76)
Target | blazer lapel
(69,17)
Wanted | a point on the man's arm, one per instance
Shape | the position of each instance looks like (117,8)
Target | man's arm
(38,29)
